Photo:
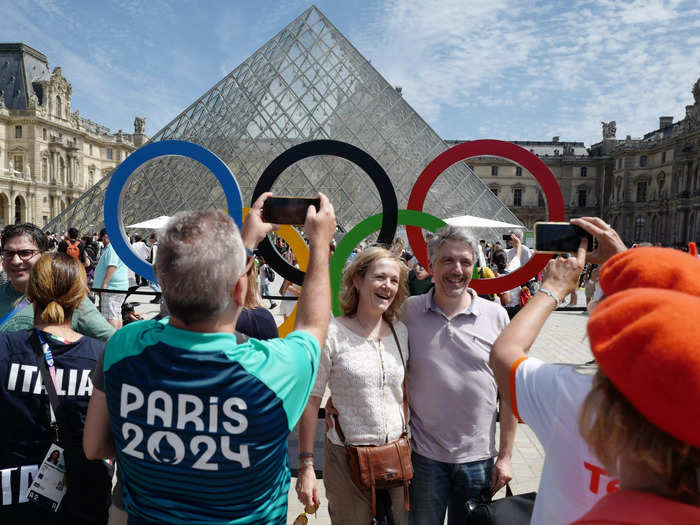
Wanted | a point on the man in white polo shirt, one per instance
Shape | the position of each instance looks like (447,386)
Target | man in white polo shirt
(451,389)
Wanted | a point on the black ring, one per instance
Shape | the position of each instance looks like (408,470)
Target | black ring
(362,159)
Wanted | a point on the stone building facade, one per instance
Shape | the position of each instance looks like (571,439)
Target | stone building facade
(655,183)
(49,153)
(579,173)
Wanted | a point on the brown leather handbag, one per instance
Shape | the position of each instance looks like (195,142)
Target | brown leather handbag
(383,466)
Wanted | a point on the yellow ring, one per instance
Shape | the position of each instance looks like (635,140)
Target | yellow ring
(301,252)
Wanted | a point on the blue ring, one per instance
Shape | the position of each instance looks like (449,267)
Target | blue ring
(113,208)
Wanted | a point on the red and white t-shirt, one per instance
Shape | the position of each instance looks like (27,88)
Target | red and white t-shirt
(548,398)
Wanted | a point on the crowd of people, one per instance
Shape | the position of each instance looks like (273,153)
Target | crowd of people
(194,407)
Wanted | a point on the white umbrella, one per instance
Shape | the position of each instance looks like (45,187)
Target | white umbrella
(471,221)
(152,224)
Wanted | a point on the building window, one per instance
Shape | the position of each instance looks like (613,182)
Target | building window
(109,153)
(494,171)
(494,190)
(540,200)
(628,162)
(584,171)
(642,191)
(639,229)
(90,149)
(43,133)
(643,161)
(663,157)
(59,107)
(619,163)
(518,171)
(19,162)
(18,132)
(517,197)
(582,198)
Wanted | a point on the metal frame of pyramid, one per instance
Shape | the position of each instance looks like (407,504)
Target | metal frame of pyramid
(308,82)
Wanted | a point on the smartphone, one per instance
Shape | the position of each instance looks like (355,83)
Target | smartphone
(288,210)
(560,237)
(506,237)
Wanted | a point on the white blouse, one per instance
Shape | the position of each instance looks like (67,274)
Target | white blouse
(365,378)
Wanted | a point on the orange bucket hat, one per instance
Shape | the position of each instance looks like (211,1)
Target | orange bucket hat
(647,342)
(651,267)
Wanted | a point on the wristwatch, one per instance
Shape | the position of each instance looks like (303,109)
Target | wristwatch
(552,295)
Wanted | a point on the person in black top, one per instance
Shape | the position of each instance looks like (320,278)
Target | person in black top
(71,243)
(56,287)
(255,320)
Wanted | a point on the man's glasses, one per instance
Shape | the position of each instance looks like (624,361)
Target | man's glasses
(24,255)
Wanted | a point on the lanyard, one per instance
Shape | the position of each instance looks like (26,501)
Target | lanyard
(48,357)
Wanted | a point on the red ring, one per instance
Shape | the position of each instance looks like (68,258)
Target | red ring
(496,148)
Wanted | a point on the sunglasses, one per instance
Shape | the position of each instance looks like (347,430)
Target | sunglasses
(302,518)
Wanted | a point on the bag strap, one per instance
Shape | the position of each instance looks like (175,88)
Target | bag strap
(19,306)
(57,420)
(405,396)
(339,430)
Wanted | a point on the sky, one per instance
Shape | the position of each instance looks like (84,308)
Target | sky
(501,69)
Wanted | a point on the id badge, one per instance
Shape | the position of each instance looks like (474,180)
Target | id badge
(49,485)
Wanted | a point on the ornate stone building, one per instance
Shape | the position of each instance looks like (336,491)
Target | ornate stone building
(49,154)
(578,172)
(655,183)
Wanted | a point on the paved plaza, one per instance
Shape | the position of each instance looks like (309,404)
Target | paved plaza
(563,340)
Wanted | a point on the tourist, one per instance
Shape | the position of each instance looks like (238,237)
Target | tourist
(255,320)
(22,246)
(518,254)
(451,389)
(363,363)
(111,274)
(56,287)
(72,246)
(200,423)
(549,397)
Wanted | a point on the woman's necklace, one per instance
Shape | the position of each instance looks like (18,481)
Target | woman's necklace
(372,333)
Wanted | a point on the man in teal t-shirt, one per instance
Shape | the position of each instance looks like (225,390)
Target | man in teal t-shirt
(111,274)
(199,422)
(22,246)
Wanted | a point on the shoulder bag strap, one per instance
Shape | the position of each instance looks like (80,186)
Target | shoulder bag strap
(405,397)
(56,414)
(19,306)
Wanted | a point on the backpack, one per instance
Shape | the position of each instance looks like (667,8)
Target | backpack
(269,274)
(73,249)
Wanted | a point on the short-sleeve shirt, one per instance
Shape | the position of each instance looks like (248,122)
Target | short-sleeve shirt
(201,423)
(630,507)
(25,433)
(87,320)
(548,398)
(120,278)
(366,382)
(452,391)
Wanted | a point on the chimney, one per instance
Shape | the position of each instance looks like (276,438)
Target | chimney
(665,122)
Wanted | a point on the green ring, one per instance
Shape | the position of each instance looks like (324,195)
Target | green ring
(362,230)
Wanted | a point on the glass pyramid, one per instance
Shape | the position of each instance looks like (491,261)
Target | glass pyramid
(308,82)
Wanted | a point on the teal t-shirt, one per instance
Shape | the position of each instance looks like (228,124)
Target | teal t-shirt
(120,278)
(201,423)
(87,320)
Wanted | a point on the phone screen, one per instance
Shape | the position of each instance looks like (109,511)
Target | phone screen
(288,210)
(560,237)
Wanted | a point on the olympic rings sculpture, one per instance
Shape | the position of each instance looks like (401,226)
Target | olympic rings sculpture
(385,222)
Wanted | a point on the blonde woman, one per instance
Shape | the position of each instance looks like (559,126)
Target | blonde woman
(56,287)
(364,368)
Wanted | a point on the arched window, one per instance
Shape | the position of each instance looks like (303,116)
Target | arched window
(59,107)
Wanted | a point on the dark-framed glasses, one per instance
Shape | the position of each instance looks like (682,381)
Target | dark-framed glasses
(24,255)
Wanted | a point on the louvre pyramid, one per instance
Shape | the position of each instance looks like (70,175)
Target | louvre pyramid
(308,82)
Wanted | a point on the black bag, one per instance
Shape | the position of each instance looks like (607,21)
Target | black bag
(269,274)
(511,510)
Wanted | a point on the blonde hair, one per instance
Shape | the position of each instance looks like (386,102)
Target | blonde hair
(612,426)
(252,295)
(57,285)
(349,297)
